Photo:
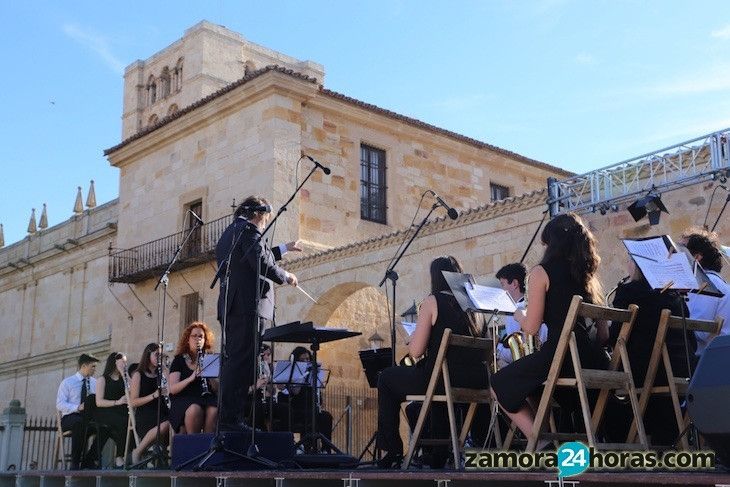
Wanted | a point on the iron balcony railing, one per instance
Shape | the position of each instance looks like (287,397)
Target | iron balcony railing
(151,259)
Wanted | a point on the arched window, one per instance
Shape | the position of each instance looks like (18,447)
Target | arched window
(177,86)
(151,91)
(152,120)
(165,82)
(249,68)
(172,110)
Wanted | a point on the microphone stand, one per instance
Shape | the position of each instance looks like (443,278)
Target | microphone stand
(158,456)
(727,200)
(392,275)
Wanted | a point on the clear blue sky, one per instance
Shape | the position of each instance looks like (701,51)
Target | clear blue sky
(578,84)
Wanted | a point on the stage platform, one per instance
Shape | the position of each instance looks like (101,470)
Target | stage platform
(344,478)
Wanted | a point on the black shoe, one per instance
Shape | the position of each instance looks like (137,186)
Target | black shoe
(391,460)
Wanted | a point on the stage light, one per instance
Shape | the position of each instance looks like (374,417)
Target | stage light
(650,205)
(604,209)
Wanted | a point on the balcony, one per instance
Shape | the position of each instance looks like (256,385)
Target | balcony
(151,259)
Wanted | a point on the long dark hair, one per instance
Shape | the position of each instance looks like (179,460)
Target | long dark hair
(438,284)
(111,365)
(146,360)
(568,238)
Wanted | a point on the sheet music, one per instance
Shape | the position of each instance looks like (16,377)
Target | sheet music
(676,269)
(409,327)
(490,298)
(211,366)
(652,248)
(283,372)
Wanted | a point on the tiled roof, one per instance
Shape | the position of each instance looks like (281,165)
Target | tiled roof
(448,133)
(338,96)
(468,216)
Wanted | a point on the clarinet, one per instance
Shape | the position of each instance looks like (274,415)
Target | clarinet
(203,380)
(163,385)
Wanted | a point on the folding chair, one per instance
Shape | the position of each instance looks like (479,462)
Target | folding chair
(675,385)
(131,429)
(603,380)
(451,396)
(59,448)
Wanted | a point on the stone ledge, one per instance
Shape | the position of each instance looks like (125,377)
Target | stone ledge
(55,357)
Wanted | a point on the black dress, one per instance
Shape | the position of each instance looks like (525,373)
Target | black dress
(146,415)
(115,417)
(659,419)
(523,378)
(395,383)
(192,394)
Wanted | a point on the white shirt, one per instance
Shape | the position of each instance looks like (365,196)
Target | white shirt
(68,398)
(504,354)
(703,307)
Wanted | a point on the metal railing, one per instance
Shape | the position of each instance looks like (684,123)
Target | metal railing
(151,258)
(667,168)
(39,437)
(355,414)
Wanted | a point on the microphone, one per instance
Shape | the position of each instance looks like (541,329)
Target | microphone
(324,169)
(197,218)
(453,214)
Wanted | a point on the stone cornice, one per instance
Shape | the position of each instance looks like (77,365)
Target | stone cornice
(54,358)
(467,217)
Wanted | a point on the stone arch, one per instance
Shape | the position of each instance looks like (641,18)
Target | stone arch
(165,82)
(151,90)
(177,75)
(356,306)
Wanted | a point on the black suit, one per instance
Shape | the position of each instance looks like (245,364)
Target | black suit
(238,369)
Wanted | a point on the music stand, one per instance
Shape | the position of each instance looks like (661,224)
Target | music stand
(374,361)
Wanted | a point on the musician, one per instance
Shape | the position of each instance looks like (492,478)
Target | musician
(660,422)
(437,312)
(295,403)
(259,394)
(512,280)
(72,392)
(568,267)
(705,247)
(143,395)
(192,409)
(239,306)
(111,403)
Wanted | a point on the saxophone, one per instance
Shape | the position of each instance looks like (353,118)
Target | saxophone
(521,345)
(203,380)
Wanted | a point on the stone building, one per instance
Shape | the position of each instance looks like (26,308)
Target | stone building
(213,118)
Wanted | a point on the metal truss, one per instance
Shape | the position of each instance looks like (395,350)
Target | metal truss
(671,167)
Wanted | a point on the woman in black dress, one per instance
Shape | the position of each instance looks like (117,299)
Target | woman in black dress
(569,267)
(660,423)
(437,312)
(111,403)
(143,395)
(191,407)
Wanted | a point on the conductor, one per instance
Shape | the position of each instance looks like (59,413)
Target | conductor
(257,270)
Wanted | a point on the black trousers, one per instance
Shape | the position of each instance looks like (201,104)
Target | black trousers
(75,423)
(238,366)
(394,384)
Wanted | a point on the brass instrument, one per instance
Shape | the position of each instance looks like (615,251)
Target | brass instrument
(203,380)
(521,345)
(408,361)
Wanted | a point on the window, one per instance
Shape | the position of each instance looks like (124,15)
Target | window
(151,91)
(498,192)
(178,72)
(193,246)
(165,81)
(188,309)
(372,184)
